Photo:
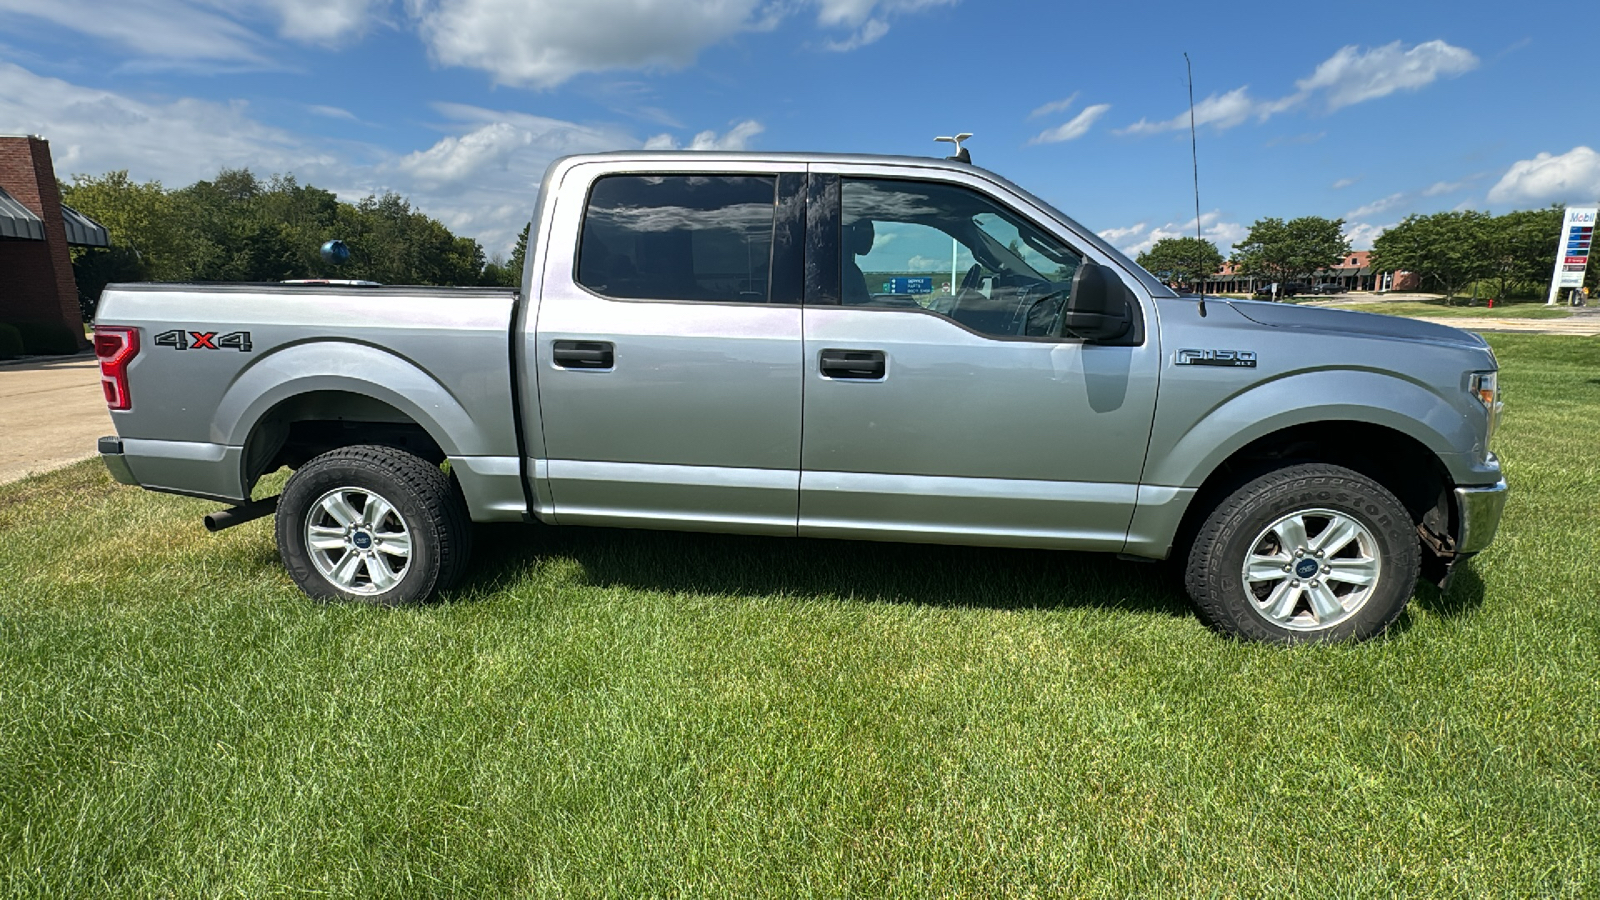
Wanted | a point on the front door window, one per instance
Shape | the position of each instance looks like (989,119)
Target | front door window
(953,252)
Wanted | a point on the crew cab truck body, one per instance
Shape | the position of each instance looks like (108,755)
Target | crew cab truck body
(751,343)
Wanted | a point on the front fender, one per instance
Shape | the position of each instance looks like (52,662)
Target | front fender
(352,368)
(1189,443)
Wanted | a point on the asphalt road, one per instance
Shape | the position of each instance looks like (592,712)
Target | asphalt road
(51,412)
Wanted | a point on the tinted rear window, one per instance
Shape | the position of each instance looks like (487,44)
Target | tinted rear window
(679,237)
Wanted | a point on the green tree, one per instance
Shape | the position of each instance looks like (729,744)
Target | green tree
(1522,249)
(1184,260)
(519,256)
(1291,251)
(141,218)
(392,243)
(95,267)
(239,227)
(1447,250)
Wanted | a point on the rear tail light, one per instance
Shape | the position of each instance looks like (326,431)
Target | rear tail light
(115,348)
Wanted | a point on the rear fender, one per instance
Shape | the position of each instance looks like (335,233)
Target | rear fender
(351,368)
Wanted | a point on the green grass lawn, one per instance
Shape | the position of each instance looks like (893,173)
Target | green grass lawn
(606,713)
(1439,309)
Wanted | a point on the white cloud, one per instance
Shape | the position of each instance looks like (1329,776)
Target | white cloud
(1362,234)
(1054,107)
(1343,183)
(1076,128)
(1223,234)
(169,30)
(868,33)
(853,13)
(1376,206)
(1224,111)
(1573,176)
(323,21)
(921,263)
(736,138)
(1118,235)
(332,112)
(455,159)
(208,33)
(1443,187)
(479,179)
(176,141)
(542,43)
(1349,76)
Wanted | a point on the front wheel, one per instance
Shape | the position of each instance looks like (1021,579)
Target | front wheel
(372,524)
(1311,552)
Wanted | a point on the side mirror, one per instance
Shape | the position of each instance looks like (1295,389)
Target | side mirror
(1100,307)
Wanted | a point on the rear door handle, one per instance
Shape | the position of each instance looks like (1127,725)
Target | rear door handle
(583,354)
(860,365)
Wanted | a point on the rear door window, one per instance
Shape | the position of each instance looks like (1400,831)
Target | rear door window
(679,237)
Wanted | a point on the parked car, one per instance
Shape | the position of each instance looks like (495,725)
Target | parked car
(695,346)
(1327,287)
(1281,290)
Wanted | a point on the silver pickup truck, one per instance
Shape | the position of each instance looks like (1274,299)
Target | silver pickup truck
(825,346)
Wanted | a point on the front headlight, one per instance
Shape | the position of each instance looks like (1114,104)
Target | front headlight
(1485,386)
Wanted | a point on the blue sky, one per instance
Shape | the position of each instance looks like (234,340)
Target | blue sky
(1362,111)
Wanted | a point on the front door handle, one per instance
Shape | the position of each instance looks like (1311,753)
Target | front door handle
(861,365)
(583,354)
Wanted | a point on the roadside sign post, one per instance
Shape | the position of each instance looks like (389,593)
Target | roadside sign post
(1572,250)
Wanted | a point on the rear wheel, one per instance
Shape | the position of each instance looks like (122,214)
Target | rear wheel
(1306,553)
(372,524)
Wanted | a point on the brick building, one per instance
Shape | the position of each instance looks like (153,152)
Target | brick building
(1353,272)
(36,230)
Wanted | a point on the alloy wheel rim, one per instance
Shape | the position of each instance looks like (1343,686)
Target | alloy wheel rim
(358,541)
(1311,569)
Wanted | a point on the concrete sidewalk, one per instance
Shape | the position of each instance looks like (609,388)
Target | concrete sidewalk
(1579,325)
(51,412)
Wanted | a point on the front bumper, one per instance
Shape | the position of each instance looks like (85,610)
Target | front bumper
(1480,509)
(116,462)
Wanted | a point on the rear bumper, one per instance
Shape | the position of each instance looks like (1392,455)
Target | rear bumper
(116,462)
(212,471)
(1480,509)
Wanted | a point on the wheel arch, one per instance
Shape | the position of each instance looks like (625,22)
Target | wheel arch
(312,398)
(1376,403)
(1398,461)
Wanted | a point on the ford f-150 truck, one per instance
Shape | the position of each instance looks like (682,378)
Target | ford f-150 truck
(829,346)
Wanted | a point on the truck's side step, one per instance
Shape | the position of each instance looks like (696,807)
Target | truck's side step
(238,515)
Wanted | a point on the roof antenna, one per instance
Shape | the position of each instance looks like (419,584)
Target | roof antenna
(961,153)
(1194,154)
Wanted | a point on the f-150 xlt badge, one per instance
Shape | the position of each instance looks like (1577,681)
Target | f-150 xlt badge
(204,340)
(1231,359)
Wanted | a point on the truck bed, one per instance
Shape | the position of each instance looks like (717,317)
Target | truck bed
(218,365)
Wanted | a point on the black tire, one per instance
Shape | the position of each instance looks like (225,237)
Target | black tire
(1323,499)
(415,502)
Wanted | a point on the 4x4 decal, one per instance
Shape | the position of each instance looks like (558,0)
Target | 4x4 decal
(204,340)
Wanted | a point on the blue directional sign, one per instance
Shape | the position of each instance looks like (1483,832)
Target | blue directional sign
(909,285)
